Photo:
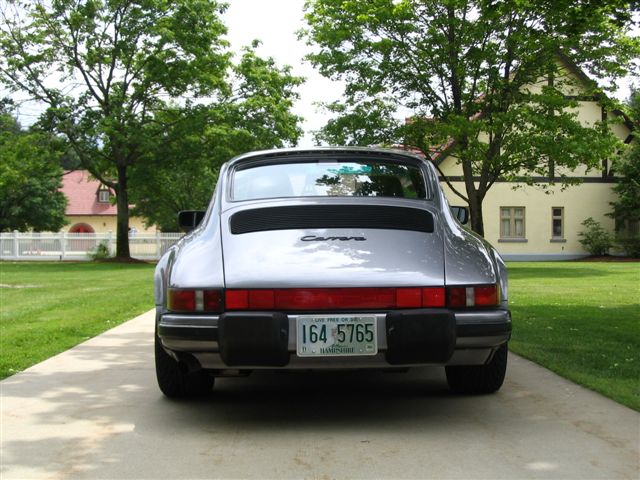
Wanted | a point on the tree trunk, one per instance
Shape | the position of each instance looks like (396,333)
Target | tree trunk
(122,203)
(475,197)
(475,209)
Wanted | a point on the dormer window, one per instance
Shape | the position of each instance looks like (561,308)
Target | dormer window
(104,195)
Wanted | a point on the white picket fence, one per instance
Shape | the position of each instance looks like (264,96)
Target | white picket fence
(77,246)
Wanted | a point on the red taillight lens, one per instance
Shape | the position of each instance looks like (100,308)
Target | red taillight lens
(408,297)
(262,299)
(191,300)
(236,299)
(433,297)
(334,298)
(486,295)
(478,296)
(181,300)
(456,297)
(250,299)
(212,300)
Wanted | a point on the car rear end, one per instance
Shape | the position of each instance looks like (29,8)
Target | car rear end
(331,259)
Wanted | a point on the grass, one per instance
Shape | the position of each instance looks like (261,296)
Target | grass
(581,320)
(63,304)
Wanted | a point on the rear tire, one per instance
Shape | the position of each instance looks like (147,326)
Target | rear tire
(176,383)
(479,379)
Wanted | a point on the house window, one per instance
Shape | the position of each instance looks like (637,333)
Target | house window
(557,222)
(512,223)
(104,195)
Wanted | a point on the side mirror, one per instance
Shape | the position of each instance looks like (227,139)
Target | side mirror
(461,213)
(189,219)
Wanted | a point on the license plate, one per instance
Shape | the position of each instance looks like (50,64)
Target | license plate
(335,335)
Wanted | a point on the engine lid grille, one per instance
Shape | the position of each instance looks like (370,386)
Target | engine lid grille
(331,216)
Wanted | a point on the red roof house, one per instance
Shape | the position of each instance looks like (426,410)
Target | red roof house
(84,195)
(90,206)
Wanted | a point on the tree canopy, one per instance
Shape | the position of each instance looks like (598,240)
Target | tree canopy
(112,72)
(493,81)
(30,178)
(626,208)
(183,165)
(368,122)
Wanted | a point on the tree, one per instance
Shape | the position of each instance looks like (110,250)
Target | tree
(626,208)
(464,66)
(368,122)
(105,68)
(182,169)
(30,178)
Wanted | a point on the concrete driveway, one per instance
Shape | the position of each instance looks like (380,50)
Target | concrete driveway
(95,412)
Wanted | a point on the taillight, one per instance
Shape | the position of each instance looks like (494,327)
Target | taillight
(478,296)
(383,298)
(408,297)
(192,300)
(334,298)
(212,300)
(181,300)
(433,297)
(487,295)
(456,297)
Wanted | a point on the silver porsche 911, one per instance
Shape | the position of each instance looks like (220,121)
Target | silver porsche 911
(336,258)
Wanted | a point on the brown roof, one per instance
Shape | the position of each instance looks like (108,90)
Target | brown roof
(82,192)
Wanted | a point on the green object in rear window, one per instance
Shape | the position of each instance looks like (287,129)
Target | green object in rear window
(348,170)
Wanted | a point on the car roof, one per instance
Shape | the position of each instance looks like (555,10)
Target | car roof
(301,152)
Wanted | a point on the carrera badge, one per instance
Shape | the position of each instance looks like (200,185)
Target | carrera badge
(313,238)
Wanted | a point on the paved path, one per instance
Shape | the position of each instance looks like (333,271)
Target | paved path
(95,412)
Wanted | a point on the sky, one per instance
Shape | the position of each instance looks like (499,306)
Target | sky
(275,23)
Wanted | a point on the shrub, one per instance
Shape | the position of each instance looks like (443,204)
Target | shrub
(101,252)
(630,245)
(595,239)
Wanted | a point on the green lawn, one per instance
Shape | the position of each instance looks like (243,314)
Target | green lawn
(581,320)
(63,304)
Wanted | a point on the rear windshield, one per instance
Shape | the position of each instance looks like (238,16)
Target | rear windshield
(330,179)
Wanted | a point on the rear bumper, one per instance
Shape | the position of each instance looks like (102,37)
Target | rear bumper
(465,338)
